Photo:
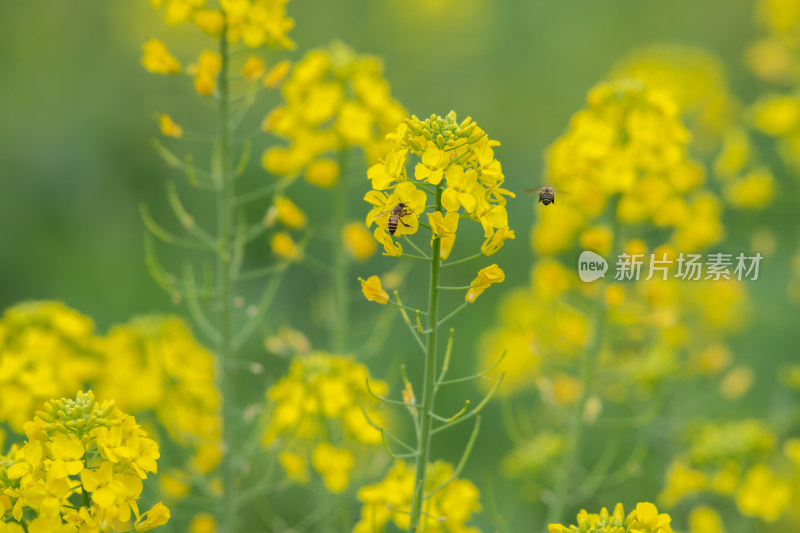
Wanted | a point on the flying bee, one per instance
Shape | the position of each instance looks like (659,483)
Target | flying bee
(395,216)
(547,195)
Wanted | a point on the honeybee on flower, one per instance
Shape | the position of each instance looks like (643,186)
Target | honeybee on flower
(405,194)
(459,158)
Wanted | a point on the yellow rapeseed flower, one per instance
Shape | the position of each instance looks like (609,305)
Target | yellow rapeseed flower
(323,173)
(205,72)
(486,277)
(704,519)
(763,494)
(390,247)
(295,466)
(334,465)
(681,481)
(776,114)
(277,73)
(443,225)
(447,510)
(158,515)
(253,68)
(254,22)
(209,21)
(168,127)
(694,79)
(333,100)
(285,247)
(203,523)
(174,484)
(358,241)
(406,193)
(495,242)
(158,60)
(317,418)
(752,191)
(373,291)
(289,214)
(258,23)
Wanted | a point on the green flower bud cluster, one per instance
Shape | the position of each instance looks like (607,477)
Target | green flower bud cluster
(644,519)
(444,131)
(76,416)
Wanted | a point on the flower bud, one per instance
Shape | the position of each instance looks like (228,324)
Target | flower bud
(475,137)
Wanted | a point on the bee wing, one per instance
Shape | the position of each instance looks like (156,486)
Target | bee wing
(381,214)
(537,191)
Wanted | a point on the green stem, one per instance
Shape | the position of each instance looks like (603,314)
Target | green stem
(225,275)
(85,498)
(426,419)
(575,429)
(340,297)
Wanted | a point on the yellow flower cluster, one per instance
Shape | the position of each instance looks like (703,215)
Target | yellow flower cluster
(628,144)
(625,168)
(81,469)
(253,22)
(774,57)
(47,350)
(334,99)
(448,506)
(151,365)
(673,329)
(157,58)
(458,159)
(733,460)
(644,519)
(205,72)
(291,217)
(155,365)
(315,414)
(695,81)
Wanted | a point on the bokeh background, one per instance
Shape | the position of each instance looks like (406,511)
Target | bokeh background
(76,116)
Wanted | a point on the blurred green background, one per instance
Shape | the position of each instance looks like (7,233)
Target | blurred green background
(75,161)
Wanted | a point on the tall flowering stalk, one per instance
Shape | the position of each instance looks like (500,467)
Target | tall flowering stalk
(236,25)
(632,188)
(335,102)
(457,168)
